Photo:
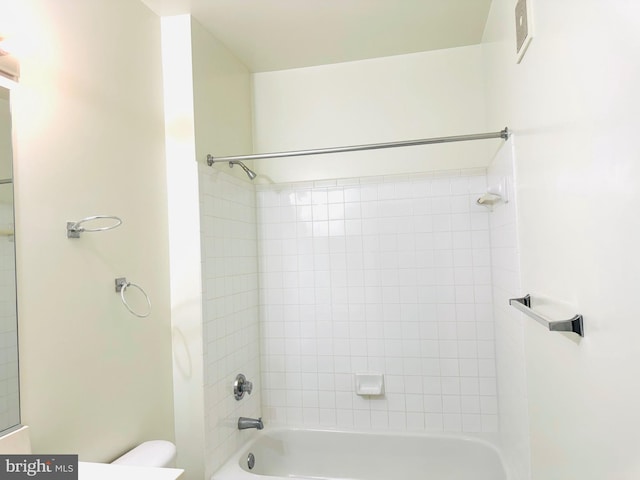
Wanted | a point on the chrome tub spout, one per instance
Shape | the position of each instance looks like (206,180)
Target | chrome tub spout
(244,423)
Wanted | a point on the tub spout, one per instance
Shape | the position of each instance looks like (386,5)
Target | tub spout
(244,423)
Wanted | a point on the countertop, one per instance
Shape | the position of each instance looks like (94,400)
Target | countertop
(107,471)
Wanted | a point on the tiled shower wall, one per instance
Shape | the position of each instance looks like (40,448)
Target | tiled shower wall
(382,274)
(230,296)
(9,397)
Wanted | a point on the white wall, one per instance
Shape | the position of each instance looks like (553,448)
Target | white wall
(89,140)
(378,274)
(208,110)
(223,101)
(406,97)
(573,106)
(510,357)
(184,245)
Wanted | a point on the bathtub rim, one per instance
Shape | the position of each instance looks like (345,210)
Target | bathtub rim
(243,450)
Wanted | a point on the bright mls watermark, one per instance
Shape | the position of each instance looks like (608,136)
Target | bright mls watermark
(50,467)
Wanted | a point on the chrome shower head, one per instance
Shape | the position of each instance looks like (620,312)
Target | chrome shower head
(250,173)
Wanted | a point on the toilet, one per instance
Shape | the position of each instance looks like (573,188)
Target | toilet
(154,453)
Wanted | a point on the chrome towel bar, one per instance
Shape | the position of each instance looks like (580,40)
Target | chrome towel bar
(574,324)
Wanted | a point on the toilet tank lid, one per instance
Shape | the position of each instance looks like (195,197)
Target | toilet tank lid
(154,453)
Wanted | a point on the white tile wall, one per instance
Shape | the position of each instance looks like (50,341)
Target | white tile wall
(510,359)
(231,329)
(381,274)
(9,398)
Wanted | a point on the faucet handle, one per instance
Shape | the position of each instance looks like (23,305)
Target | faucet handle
(247,387)
(241,386)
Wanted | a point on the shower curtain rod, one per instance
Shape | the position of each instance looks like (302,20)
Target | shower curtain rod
(504,134)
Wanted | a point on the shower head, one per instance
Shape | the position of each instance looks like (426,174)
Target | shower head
(250,173)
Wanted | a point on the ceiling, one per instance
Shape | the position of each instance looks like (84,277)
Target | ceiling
(281,34)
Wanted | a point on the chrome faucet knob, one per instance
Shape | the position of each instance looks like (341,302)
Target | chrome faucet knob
(247,387)
(241,386)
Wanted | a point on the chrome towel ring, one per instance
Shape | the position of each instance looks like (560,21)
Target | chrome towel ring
(121,286)
(74,229)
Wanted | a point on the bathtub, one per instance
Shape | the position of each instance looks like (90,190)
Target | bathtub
(323,454)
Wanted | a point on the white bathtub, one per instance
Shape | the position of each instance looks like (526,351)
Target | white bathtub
(321,454)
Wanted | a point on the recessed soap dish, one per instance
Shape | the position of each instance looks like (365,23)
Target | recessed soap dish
(369,384)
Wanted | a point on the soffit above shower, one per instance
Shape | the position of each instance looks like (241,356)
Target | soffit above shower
(281,34)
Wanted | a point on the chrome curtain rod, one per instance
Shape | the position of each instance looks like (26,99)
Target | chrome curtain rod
(504,134)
